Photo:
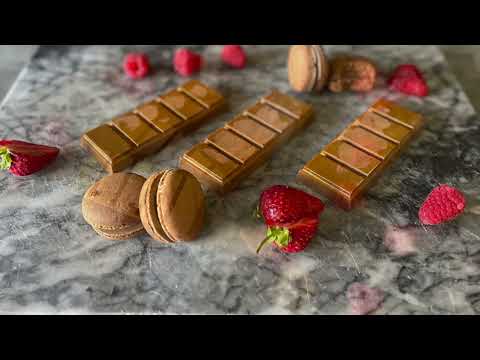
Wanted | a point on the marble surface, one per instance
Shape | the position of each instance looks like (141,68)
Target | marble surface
(464,61)
(13,59)
(376,258)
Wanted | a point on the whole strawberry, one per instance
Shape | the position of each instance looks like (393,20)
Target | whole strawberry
(444,204)
(409,80)
(23,159)
(291,216)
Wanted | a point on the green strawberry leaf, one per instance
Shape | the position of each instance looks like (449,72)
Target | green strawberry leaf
(5,159)
(280,236)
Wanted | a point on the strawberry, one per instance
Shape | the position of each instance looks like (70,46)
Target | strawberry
(23,159)
(282,204)
(291,216)
(409,80)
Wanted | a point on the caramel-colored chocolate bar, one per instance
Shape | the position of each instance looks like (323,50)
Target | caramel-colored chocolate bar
(347,167)
(131,137)
(233,152)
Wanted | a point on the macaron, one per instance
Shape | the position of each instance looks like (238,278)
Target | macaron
(110,206)
(308,68)
(172,206)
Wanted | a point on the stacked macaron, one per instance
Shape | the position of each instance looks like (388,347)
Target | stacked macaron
(308,68)
(170,206)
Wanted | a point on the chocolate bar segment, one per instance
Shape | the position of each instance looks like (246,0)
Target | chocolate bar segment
(333,175)
(368,142)
(159,116)
(352,157)
(232,153)
(271,117)
(135,129)
(347,167)
(144,131)
(108,146)
(252,130)
(287,104)
(181,104)
(199,92)
(213,162)
(233,145)
(384,127)
(397,113)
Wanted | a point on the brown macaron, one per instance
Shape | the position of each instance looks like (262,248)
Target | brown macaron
(172,206)
(110,206)
(352,73)
(308,68)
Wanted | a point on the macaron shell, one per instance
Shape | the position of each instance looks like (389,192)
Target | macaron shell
(302,68)
(122,234)
(323,67)
(112,202)
(148,208)
(181,205)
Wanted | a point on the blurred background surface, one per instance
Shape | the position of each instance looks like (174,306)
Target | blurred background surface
(464,61)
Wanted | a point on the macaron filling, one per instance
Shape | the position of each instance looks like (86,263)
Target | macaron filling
(115,234)
(316,62)
(322,68)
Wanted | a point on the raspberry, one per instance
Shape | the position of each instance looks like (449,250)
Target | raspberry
(186,62)
(409,80)
(235,56)
(442,205)
(136,65)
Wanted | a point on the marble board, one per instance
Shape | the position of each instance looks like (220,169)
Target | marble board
(51,261)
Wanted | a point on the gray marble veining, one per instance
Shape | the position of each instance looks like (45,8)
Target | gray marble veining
(52,262)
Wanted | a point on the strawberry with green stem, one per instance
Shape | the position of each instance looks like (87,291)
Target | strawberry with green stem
(291,216)
(21,158)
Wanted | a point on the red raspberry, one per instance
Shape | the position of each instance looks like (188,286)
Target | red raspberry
(136,65)
(409,80)
(187,62)
(235,56)
(443,204)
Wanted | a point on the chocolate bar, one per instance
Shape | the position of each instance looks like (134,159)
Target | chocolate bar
(347,167)
(233,152)
(131,137)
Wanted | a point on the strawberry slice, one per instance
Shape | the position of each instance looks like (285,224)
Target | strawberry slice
(22,158)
